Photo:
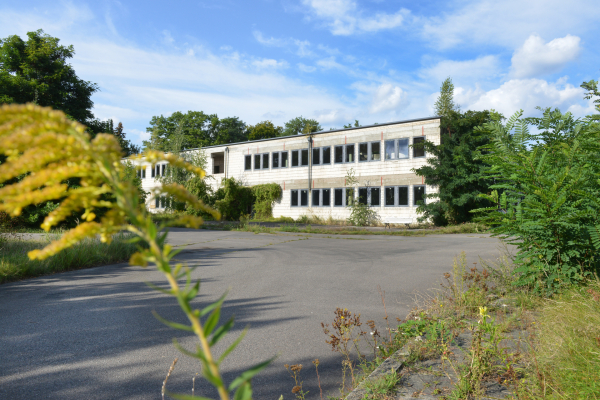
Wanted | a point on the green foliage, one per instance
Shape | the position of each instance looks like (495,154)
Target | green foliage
(301,125)
(264,197)
(264,130)
(198,129)
(97,126)
(356,124)
(546,196)
(233,199)
(360,214)
(36,70)
(592,91)
(444,105)
(456,169)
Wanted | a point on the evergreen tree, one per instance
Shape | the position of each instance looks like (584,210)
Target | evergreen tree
(455,169)
(444,105)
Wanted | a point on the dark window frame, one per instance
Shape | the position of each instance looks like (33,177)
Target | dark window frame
(345,191)
(369,151)
(369,188)
(414,199)
(415,149)
(299,159)
(321,197)
(397,196)
(247,157)
(298,193)
(323,155)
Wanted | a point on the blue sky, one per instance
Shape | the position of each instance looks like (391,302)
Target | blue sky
(336,61)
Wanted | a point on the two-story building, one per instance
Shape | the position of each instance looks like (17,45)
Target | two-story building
(311,169)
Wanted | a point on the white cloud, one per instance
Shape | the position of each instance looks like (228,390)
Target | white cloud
(344,17)
(330,63)
(484,67)
(537,58)
(524,94)
(269,63)
(507,22)
(333,116)
(306,68)
(299,47)
(167,38)
(387,97)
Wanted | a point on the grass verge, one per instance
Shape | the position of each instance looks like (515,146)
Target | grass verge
(15,265)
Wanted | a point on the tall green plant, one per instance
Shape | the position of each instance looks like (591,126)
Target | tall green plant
(546,196)
(264,197)
(52,148)
(455,169)
(233,199)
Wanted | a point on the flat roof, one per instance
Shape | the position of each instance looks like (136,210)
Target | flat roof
(316,133)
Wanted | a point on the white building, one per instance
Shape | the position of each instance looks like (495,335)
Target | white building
(311,169)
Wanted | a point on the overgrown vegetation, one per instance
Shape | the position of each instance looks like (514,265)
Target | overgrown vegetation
(52,148)
(15,265)
(546,196)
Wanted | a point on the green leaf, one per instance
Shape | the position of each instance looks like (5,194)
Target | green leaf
(165,291)
(244,392)
(233,345)
(212,306)
(247,375)
(222,330)
(174,325)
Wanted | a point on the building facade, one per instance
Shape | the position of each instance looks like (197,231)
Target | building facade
(311,169)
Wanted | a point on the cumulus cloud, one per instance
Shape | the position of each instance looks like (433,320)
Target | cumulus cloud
(345,18)
(525,94)
(387,97)
(537,58)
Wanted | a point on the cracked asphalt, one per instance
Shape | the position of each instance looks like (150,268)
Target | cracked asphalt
(90,334)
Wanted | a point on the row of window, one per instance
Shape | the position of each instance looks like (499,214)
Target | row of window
(393,196)
(367,151)
(156,172)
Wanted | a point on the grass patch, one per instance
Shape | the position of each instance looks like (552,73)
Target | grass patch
(15,265)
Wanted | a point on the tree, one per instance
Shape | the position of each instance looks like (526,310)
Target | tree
(444,104)
(455,169)
(36,71)
(229,130)
(356,124)
(195,126)
(301,125)
(264,130)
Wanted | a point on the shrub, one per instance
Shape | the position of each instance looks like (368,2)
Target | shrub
(264,197)
(546,196)
(233,199)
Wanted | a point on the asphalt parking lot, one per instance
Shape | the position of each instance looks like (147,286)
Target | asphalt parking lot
(90,334)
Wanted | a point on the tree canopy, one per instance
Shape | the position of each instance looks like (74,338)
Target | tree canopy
(264,130)
(36,70)
(301,125)
(444,104)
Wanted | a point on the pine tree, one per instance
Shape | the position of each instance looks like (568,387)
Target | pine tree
(445,103)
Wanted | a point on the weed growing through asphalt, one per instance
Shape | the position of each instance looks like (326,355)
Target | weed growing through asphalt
(383,387)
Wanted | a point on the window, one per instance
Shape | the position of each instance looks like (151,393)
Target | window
(164,169)
(160,202)
(275,162)
(403,195)
(316,197)
(375,151)
(153,174)
(299,197)
(375,197)
(396,196)
(418,194)
(217,169)
(295,158)
(403,148)
(304,198)
(390,196)
(316,156)
(326,156)
(363,152)
(265,161)
(284,159)
(342,196)
(304,157)
(326,197)
(339,154)
(390,149)
(321,197)
(159,170)
(418,148)
(156,202)
(369,196)
(349,153)
(247,163)
(370,151)
(257,161)
(142,173)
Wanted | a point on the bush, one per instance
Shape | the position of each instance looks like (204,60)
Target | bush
(546,196)
(264,197)
(233,199)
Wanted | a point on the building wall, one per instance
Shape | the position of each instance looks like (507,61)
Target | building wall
(372,173)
